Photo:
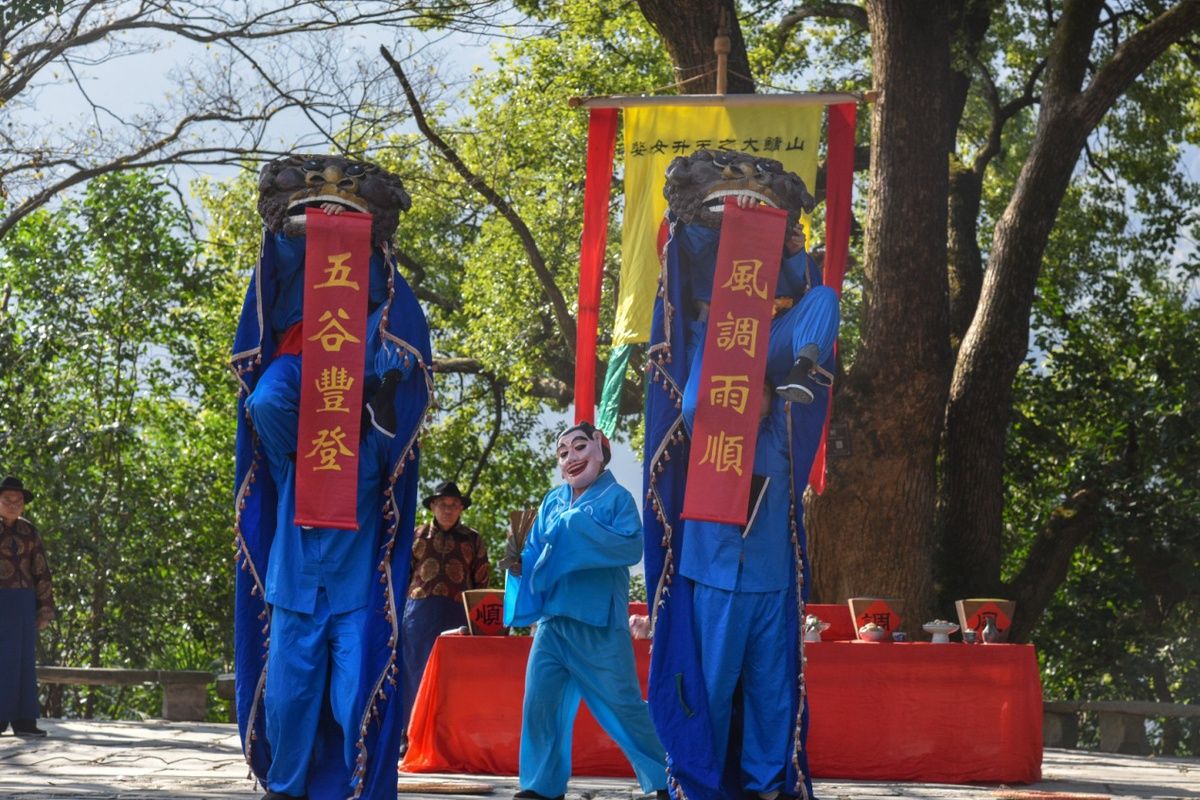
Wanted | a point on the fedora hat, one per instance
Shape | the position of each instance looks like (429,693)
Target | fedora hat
(11,483)
(448,489)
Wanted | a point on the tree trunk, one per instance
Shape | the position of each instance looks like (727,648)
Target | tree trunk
(871,533)
(689,34)
(966,260)
(970,22)
(977,417)
(1049,559)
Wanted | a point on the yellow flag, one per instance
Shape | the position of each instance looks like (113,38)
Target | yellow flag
(654,136)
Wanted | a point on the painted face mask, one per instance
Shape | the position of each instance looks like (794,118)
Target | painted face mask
(582,454)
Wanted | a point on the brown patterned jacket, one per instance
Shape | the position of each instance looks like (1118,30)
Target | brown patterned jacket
(23,564)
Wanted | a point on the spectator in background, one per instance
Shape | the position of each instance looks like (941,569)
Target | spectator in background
(26,607)
(447,559)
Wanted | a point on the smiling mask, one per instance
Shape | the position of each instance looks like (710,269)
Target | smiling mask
(582,452)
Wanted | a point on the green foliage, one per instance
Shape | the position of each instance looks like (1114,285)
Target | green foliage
(119,409)
(113,415)
(1108,403)
(482,298)
(19,12)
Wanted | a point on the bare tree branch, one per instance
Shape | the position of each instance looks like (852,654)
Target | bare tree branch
(1002,112)
(856,15)
(1050,557)
(566,324)
(546,388)
(497,391)
(248,63)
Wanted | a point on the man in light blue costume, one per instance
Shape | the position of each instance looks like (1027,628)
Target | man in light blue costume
(728,602)
(572,579)
(316,632)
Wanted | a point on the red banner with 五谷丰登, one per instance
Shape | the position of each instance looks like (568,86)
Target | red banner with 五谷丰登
(730,393)
(336,284)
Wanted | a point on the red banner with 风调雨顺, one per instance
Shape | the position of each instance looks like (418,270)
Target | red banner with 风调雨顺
(730,393)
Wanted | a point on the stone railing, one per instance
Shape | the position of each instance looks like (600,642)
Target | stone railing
(185,692)
(1122,722)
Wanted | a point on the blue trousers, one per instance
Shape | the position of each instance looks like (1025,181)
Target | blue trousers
(569,661)
(18,649)
(740,636)
(310,652)
(814,320)
(423,621)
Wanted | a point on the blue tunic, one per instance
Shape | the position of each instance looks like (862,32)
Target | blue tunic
(718,555)
(327,720)
(701,630)
(577,557)
(575,585)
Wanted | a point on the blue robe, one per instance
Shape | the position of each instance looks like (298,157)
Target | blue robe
(678,694)
(359,606)
(575,585)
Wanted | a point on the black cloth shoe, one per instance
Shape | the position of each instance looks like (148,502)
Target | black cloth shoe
(281,796)
(793,388)
(530,794)
(27,728)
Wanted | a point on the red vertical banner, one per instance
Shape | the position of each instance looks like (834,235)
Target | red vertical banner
(336,284)
(839,182)
(602,135)
(730,391)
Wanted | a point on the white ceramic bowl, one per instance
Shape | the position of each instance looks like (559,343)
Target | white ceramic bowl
(872,634)
(940,630)
(813,630)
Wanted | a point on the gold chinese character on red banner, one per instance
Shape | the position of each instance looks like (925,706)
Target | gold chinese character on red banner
(745,279)
(333,385)
(729,391)
(328,445)
(338,272)
(333,335)
(723,452)
(738,332)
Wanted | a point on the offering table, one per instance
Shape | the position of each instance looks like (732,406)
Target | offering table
(946,713)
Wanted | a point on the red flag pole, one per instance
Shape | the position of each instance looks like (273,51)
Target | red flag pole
(839,188)
(602,134)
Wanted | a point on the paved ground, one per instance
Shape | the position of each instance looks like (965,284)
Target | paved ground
(152,760)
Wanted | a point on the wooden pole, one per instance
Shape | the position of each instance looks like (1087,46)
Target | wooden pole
(721,46)
(784,99)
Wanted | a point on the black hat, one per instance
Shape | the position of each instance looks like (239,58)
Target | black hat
(15,483)
(447,489)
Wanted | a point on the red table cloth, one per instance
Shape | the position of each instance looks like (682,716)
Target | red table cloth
(948,713)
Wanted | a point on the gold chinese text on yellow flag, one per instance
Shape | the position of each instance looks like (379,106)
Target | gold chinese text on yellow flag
(654,136)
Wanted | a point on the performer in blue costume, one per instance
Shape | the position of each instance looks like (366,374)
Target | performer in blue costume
(572,579)
(317,635)
(728,607)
